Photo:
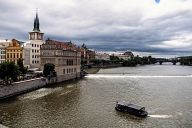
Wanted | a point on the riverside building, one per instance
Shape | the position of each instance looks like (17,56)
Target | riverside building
(3,45)
(125,56)
(102,56)
(32,47)
(86,54)
(14,51)
(65,56)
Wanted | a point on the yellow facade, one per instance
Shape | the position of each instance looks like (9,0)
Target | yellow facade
(14,51)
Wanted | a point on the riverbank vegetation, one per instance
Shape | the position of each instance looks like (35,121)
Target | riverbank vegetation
(139,61)
(49,70)
(132,61)
(186,60)
(11,72)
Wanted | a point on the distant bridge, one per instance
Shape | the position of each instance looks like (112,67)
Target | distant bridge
(174,61)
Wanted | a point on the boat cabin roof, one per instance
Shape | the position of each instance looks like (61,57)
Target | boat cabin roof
(131,105)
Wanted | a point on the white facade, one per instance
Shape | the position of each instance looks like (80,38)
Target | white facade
(3,45)
(124,57)
(32,47)
(32,53)
(102,56)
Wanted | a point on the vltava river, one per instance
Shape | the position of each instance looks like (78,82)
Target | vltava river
(165,91)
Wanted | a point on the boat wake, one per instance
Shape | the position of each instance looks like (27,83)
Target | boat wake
(160,116)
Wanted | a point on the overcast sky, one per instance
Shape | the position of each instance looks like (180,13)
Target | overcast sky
(116,25)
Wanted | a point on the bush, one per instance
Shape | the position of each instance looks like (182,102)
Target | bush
(49,70)
(9,72)
(21,67)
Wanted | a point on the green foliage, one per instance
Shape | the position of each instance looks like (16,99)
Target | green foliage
(49,70)
(114,58)
(139,60)
(96,61)
(129,63)
(21,67)
(9,71)
(83,62)
(186,60)
(132,61)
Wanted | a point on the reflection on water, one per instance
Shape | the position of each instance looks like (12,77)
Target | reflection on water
(90,102)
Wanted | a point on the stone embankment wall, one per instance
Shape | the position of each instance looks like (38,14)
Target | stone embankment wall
(67,77)
(21,87)
(30,85)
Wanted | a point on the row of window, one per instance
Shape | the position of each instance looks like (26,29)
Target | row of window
(59,53)
(38,36)
(14,55)
(65,53)
(68,62)
(69,70)
(1,61)
(35,56)
(2,51)
(36,45)
(35,61)
(2,57)
(14,50)
(15,61)
(35,51)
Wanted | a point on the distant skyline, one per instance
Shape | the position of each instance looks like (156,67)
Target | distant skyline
(150,26)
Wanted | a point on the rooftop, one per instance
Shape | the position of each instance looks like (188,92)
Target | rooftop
(62,45)
(130,105)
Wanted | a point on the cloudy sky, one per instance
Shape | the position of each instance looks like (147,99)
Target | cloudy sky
(163,27)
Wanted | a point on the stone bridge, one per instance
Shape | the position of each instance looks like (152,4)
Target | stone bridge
(174,61)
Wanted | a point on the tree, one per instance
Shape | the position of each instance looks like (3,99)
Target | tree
(129,63)
(114,59)
(9,71)
(21,67)
(49,70)
(96,61)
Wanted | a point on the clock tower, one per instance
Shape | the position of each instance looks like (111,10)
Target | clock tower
(32,47)
(36,34)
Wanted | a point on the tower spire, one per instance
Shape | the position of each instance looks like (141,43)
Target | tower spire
(36,22)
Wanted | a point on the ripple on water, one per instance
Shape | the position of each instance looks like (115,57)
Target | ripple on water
(89,103)
(39,93)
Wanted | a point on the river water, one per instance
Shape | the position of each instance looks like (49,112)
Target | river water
(165,91)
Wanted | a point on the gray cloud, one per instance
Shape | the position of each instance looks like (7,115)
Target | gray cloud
(102,25)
